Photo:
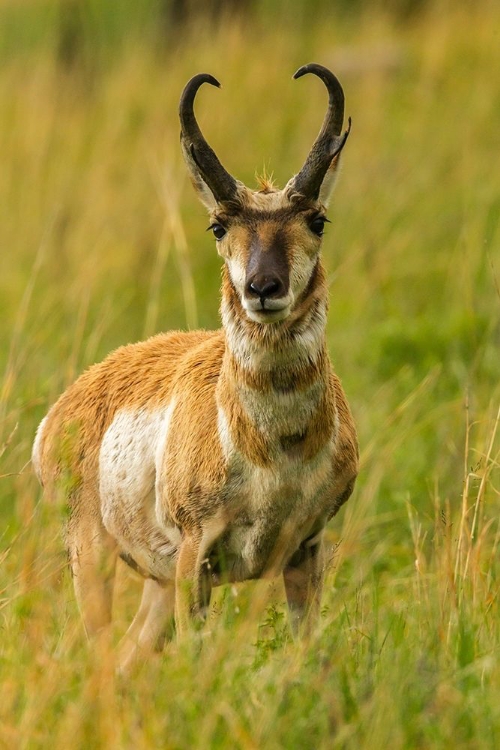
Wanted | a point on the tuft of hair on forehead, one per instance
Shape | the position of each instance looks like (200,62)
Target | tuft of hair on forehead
(266,203)
(265,182)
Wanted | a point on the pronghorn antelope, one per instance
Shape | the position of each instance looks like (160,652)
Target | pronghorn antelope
(204,457)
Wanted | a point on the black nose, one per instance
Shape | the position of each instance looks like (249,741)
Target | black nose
(265,287)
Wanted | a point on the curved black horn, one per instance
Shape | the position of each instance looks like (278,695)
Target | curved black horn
(329,142)
(220,182)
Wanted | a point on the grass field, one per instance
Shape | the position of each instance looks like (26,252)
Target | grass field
(102,242)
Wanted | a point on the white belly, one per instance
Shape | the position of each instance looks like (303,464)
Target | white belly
(130,450)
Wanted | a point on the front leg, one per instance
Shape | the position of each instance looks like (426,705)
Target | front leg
(150,626)
(193,584)
(303,577)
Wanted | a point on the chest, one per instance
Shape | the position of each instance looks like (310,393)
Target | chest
(270,511)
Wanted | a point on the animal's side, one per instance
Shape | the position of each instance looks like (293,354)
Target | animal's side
(210,456)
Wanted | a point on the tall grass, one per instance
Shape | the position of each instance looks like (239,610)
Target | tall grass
(102,242)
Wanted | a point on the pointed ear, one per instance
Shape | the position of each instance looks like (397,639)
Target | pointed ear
(333,171)
(202,190)
(330,180)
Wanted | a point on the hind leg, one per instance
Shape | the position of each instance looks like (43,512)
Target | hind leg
(150,626)
(92,555)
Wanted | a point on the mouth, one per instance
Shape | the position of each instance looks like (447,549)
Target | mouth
(265,315)
(267,310)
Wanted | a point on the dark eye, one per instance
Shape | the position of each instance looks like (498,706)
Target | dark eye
(317,225)
(218,231)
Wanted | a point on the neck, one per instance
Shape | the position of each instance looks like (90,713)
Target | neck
(275,378)
(296,343)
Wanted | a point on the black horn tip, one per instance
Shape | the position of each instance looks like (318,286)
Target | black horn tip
(200,78)
(303,70)
(300,72)
(316,69)
(332,83)
(329,79)
(192,86)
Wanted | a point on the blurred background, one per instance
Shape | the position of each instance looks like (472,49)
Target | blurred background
(103,242)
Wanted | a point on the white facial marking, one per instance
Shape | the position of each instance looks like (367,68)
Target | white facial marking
(301,270)
(238,274)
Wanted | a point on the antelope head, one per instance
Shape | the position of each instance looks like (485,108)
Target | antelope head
(269,239)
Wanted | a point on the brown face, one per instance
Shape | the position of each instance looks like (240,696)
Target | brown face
(270,247)
(270,240)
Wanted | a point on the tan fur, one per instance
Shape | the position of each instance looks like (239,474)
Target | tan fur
(210,456)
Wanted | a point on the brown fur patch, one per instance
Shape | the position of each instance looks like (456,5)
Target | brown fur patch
(193,440)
